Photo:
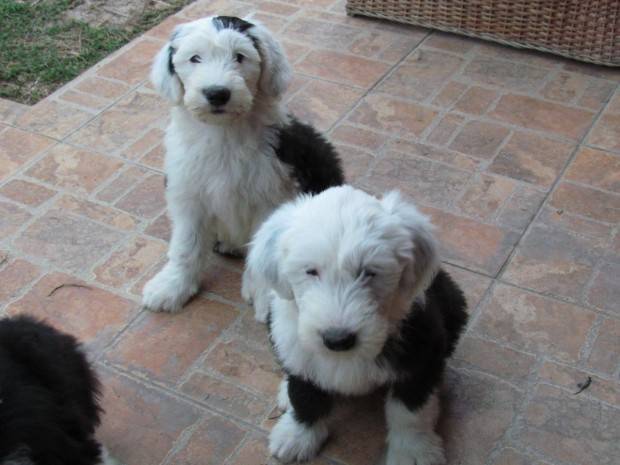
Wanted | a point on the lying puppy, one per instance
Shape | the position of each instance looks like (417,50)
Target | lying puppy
(360,302)
(232,153)
(48,398)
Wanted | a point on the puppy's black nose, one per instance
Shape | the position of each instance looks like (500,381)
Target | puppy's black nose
(217,95)
(338,339)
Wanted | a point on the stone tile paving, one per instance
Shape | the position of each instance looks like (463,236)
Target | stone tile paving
(514,154)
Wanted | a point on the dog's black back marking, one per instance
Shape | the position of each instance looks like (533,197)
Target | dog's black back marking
(48,396)
(314,160)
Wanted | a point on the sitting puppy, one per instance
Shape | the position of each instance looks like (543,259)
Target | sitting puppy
(48,398)
(232,153)
(360,302)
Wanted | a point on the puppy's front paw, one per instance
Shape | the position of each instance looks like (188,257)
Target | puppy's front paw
(168,290)
(228,250)
(291,441)
(419,449)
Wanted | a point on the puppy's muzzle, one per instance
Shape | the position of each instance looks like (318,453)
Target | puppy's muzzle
(217,96)
(338,340)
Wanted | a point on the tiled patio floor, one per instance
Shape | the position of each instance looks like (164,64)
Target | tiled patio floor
(515,155)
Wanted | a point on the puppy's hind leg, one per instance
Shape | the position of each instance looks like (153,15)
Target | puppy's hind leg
(411,436)
(301,430)
(180,277)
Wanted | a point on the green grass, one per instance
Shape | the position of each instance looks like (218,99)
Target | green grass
(41,49)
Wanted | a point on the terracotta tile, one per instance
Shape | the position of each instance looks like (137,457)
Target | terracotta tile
(534,323)
(146,200)
(224,282)
(606,132)
(473,403)
(393,115)
(446,129)
(442,155)
(604,291)
(17,147)
(26,193)
(160,228)
(118,125)
(596,94)
(485,195)
(320,33)
(573,379)
(351,135)
(164,346)
(354,162)
(476,100)
(10,111)
(480,139)
(96,212)
(248,367)
(71,243)
(294,52)
(74,169)
(53,119)
(128,263)
(569,428)
(133,64)
(450,42)
(520,208)
(473,285)
(90,102)
(536,114)
(104,88)
(423,180)
(386,46)
(139,286)
(468,243)
(164,29)
(602,72)
(201,9)
(91,314)
(534,159)
(591,203)
(613,105)
(144,144)
(15,276)
(127,179)
(597,234)
(490,357)
(226,397)
(506,74)
(277,8)
(449,94)
(154,158)
(605,354)
(565,87)
(323,103)
(511,457)
(211,443)
(345,69)
(136,414)
(420,75)
(553,261)
(513,54)
(596,168)
(11,219)
(255,451)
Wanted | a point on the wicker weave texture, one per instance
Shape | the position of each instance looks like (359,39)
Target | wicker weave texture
(587,30)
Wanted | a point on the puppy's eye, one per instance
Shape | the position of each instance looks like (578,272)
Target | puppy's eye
(195,59)
(367,274)
(239,58)
(312,272)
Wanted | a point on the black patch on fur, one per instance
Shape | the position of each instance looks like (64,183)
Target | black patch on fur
(428,336)
(310,403)
(236,24)
(171,52)
(316,165)
(48,396)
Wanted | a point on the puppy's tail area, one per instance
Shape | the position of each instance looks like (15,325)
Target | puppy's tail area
(453,307)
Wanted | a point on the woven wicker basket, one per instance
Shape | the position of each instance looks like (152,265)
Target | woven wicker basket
(586,30)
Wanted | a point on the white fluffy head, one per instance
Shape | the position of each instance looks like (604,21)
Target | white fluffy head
(218,67)
(351,262)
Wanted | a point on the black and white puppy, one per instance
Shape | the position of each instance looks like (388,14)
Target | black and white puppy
(358,301)
(233,154)
(48,398)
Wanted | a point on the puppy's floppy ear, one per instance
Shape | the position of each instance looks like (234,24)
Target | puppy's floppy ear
(275,70)
(163,74)
(422,256)
(266,252)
